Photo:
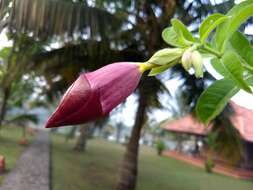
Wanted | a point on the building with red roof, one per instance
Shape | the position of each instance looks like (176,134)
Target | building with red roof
(242,120)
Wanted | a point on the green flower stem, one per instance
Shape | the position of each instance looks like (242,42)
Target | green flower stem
(147,66)
(212,51)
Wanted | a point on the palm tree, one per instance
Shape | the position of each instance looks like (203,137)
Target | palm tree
(86,132)
(15,63)
(82,139)
(46,22)
(52,18)
(149,91)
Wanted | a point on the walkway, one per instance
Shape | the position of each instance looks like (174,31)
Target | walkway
(32,168)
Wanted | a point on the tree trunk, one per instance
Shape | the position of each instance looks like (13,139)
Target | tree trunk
(118,132)
(82,139)
(6,94)
(129,166)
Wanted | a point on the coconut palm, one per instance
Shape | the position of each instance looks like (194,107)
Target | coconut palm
(149,91)
(15,63)
(49,18)
(82,139)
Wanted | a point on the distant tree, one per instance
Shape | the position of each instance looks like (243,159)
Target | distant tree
(16,61)
(85,133)
(81,142)
(119,128)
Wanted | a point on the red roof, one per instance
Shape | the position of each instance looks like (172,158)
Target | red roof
(189,125)
(242,120)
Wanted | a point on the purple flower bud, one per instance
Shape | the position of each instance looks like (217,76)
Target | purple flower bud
(95,94)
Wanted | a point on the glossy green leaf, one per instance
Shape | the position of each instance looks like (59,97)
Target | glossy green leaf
(213,100)
(170,37)
(158,70)
(242,47)
(209,24)
(218,66)
(237,15)
(183,33)
(234,69)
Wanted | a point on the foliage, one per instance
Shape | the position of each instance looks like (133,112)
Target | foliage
(226,142)
(160,147)
(231,53)
(209,165)
(47,19)
(22,119)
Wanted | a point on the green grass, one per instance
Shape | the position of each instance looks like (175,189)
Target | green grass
(9,147)
(97,169)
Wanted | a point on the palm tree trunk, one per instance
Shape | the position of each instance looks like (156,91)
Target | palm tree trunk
(82,139)
(129,166)
(6,94)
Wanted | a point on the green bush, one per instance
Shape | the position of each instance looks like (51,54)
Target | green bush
(209,165)
(160,147)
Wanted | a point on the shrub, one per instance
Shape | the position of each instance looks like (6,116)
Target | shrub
(209,165)
(160,147)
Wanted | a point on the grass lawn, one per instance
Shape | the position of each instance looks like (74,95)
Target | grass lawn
(97,169)
(9,147)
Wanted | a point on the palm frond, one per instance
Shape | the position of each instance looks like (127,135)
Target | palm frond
(49,18)
(23,118)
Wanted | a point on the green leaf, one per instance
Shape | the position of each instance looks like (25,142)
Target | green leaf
(218,66)
(158,70)
(234,69)
(237,15)
(242,47)
(4,53)
(209,24)
(250,80)
(183,33)
(170,37)
(213,100)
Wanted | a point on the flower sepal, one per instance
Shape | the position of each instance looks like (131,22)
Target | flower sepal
(166,56)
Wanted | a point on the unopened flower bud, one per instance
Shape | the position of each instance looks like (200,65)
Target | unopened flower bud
(187,60)
(93,95)
(166,56)
(197,63)
(192,58)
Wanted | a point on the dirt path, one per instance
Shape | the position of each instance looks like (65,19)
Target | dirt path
(32,168)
